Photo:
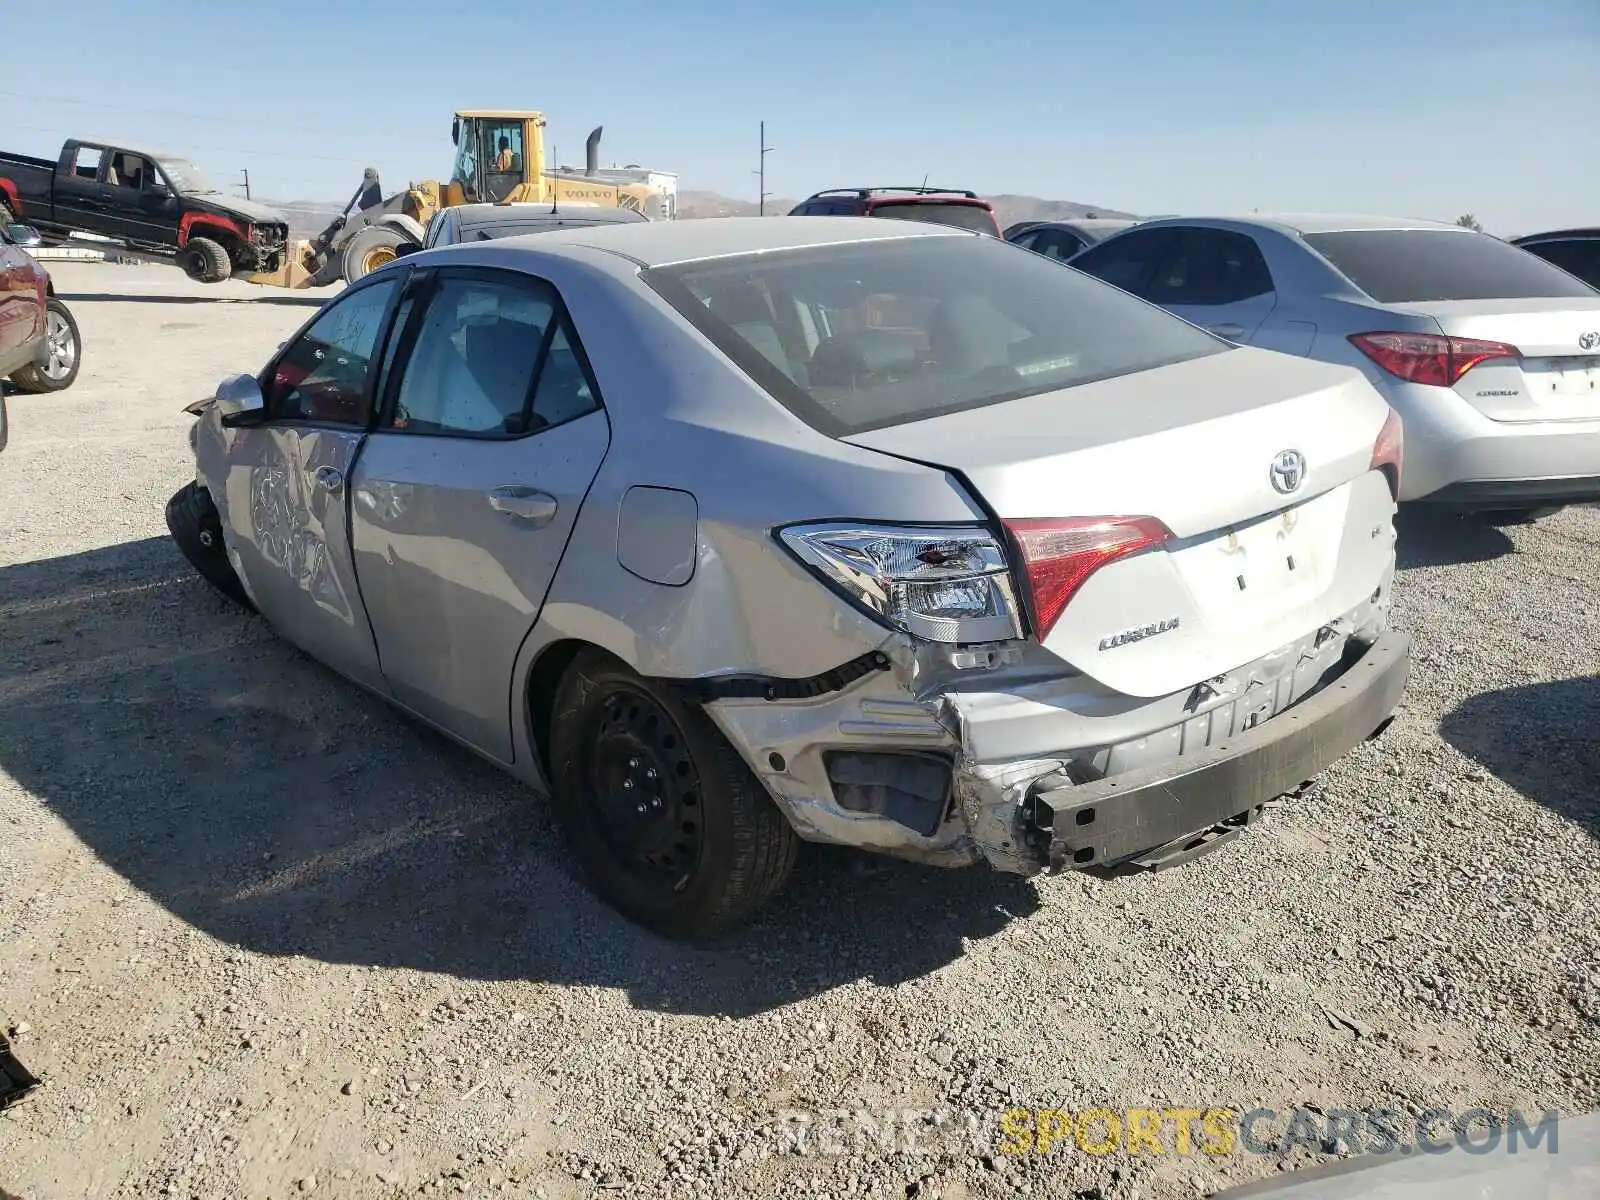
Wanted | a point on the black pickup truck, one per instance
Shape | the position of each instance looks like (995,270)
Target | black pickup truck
(155,204)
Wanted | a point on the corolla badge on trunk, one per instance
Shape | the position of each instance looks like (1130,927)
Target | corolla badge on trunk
(1112,640)
(1288,470)
(1589,341)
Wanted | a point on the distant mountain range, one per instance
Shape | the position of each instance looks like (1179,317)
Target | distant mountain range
(309,217)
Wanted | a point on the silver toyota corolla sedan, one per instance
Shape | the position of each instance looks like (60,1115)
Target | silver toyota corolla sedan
(1490,355)
(734,532)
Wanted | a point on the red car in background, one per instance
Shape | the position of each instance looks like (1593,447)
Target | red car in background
(39,342)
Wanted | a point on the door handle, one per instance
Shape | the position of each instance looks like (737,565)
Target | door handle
(1227,330)
(524,503)
(330,479)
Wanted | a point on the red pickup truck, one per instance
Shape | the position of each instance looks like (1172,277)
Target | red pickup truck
(39,343)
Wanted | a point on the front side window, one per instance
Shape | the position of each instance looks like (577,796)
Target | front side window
(873,334)
(491,358)
(130,171)
(325,374)
(1407,266)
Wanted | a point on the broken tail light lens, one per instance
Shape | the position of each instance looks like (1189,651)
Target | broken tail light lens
(1388,452)
(1430,358)
(1059,554)
(949,584)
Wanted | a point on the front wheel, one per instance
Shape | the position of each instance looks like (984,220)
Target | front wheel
(205,261)
(195,525)
(374,247)
(63,353)
(667,821)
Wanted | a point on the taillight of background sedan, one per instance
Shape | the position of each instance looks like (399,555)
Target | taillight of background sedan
(730,533)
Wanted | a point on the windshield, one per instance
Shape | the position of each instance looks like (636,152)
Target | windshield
(879,333)
(962,216)
(1404,266)
(185,176)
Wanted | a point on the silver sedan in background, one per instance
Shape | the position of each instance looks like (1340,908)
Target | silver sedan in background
(741,531)
(1490,354)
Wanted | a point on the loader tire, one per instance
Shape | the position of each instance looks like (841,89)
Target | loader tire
(205,260)
(370,249)
(194,524)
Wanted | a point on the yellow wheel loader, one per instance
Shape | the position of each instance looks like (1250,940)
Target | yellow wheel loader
(500,158)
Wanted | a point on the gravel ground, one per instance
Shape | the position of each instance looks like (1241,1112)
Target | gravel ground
(263,937)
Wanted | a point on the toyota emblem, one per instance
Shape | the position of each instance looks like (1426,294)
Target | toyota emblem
(1589,341)
(1288,470)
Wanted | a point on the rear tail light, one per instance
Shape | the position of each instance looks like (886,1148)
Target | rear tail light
(1429,357)
(1388,451)
(949,584)
(1058,555)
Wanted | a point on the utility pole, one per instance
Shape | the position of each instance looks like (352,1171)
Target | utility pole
(246,173)
(761,202)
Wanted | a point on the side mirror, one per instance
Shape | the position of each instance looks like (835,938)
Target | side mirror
(25,236)
(405,248)
(239,398)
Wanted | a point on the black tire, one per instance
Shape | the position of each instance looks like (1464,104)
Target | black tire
(370,249)
(60,369)
(205,260)
(691,849)
(193,521)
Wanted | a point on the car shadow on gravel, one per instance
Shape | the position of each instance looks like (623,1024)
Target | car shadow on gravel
(267,297)
(1432,537)
(1541,738)
(279,809)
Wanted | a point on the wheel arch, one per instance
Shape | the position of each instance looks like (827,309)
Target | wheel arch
(545,657)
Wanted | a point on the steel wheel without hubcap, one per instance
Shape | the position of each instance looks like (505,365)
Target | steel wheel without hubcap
(63,348)
(378,257)
(646,791)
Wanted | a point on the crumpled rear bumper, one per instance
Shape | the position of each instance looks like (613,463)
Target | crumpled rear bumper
(1040,777)
(1110,820)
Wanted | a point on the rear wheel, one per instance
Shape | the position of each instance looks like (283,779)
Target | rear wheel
(370,249)
(197,528)
(668,823)
(63,353)
(205,260)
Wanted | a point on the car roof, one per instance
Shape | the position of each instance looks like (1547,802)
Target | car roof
(1586,232)
(657,243)
(1304,223)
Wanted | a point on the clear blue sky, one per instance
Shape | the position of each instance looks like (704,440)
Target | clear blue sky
(1409,107)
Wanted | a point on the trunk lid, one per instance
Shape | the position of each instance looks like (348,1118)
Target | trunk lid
(1192,445)
(1558,376)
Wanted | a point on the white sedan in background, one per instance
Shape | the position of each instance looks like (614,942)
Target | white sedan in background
(1490,354)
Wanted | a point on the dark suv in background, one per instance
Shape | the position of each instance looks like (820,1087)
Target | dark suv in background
(1575,251)
(940,206)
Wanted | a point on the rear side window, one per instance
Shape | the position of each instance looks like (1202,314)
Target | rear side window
(962,216)
(1125,261)
(1406,266)
(873,334)
(1576,256)
(1209,266)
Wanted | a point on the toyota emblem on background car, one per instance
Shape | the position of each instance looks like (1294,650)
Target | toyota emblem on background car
(1288,470)
(1589,341)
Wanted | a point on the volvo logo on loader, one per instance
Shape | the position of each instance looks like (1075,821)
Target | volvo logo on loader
(1589,341)
(1288,470)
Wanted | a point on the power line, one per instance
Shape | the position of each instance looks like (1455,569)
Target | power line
(162,112)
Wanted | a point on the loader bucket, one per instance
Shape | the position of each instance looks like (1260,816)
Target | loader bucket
(299,265)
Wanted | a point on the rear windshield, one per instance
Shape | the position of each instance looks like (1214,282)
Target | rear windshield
(503,229)
(1403,266)
(872,334)
(962,216)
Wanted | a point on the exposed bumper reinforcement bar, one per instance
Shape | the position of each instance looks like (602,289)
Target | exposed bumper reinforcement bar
(1109,821)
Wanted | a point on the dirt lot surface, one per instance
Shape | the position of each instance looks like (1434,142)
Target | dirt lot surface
(263,937)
